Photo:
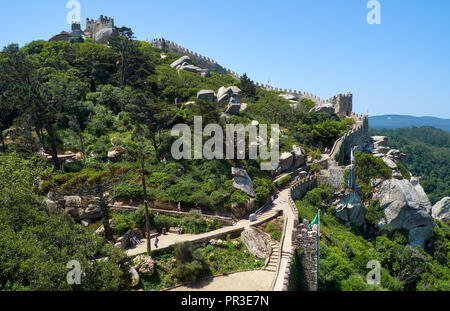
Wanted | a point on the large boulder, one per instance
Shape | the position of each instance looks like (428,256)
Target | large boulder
(242,181)
(242,210)
(52,206)
(103,35)
(390,163)
(116,154)
(207,95)
(328,108)
(351,209)
(182,60)
(195,69)
(441,210)
(91,212)
(257,243)
(230,92)
(406,206)
(286,160)
(289,97)
(379,141)
(299,156)
(72,206)
(233,108)
(134,277)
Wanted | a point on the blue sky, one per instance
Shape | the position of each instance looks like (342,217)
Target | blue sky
(324,47)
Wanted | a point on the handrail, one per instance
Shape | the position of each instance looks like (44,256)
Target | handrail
(280,255)
(261,209)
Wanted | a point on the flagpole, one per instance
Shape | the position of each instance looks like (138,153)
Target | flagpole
(318,250)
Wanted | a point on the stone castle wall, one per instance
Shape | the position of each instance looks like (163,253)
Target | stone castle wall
(307,242)
(199,60)
(94,26)
(358,137)
(342,102)
(296,192)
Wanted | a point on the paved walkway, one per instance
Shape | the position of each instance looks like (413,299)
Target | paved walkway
(281,202)
(171,238)
(256,280)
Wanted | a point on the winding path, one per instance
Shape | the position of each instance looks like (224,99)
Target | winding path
(169,239)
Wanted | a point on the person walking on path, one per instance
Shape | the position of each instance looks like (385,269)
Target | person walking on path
(179,206)
(156,242)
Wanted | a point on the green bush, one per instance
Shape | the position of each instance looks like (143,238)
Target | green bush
(405,173)
(356,283)
(284,181)
(367,167)
(315,168)
(374,212)
(190,263)
(318,195)
(129,192)
(193,222)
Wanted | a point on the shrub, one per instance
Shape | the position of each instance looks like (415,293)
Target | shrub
(261,194)
(315,168)
(157,179)
(276,235)
(367,167)
(144,265)
(318,195)
(284,181)
(334,268)
(129,192)
(193,222)
(405,173)
(356,283)
(188,272)
(239,197)
(374,212)
(189,264)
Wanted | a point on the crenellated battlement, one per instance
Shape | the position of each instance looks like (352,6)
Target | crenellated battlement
(200,60)
(343,103)
(94,26)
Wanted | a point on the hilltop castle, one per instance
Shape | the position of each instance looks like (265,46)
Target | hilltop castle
(100,30)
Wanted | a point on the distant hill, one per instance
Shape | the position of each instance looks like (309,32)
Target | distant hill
(399,121)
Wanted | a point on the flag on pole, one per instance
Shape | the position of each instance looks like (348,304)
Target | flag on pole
(315,220)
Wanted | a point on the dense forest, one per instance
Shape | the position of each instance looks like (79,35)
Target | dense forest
(428,156)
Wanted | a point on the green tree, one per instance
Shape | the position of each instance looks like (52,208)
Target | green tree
(121,42)
(247,87)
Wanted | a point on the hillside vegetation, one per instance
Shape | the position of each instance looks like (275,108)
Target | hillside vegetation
(60,96)
(345,251)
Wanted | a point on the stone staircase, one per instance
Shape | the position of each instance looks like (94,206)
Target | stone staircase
(273,259)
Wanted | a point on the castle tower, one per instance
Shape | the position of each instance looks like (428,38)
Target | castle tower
(93,27)
(343,104)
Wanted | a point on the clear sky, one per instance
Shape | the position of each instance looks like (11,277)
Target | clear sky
(324,47)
